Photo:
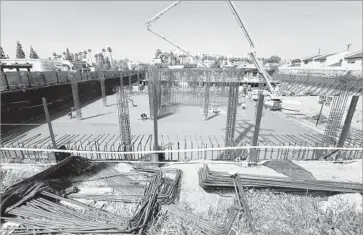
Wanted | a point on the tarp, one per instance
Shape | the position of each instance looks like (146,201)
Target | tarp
(289,169)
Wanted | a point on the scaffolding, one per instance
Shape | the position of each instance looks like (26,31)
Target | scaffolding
(76,103)
(335,118)
(124,119)
(103,91)
(206,95)
(231,119)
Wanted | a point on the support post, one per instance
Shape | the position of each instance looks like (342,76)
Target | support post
(206,95)
(3,76)
(150,90)
(20,79)
(77,106)
(321,109)
(47,117)
(253,152)
(103,90)
(155,112)
(121,78)
(138,77)
(130,83)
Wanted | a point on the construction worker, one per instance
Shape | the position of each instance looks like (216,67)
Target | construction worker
(132,101)
(143,116)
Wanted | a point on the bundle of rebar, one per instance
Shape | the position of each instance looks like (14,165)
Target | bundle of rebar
(45,216)
(168,189)
(213,179)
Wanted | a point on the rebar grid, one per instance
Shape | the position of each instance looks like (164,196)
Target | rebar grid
(206,95)
(231,119)
(335,118)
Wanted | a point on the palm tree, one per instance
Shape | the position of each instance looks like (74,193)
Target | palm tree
(55,55)
(90,55)
(110,51)
(80,55)
(104,51)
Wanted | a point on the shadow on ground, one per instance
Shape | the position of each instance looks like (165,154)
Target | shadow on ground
(98,115)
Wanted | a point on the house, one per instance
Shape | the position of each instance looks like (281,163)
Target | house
(321,61)
(352,61)
(307,61)
(156,61)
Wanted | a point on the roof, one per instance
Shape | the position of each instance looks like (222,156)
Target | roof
(245,66)
(310,57)
(338,64)
(354,55)
(323,57)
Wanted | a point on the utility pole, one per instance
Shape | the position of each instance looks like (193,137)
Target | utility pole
(348,46)
(47,117)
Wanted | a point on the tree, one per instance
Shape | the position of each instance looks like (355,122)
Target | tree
(294,61)
(55,55)
(85,54)
(2,54)
(107,64)
(19,51)
(104,51)
(100,61)
(68,55)
(182,58)
(158,53)
(217,64)
(33,54)
(272,60)
(110,51)
(73,57)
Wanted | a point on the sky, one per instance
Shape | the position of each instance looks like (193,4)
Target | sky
(286,28)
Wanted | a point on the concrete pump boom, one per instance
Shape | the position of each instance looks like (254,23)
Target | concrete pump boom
(157,16)
(236,14)
(252,54)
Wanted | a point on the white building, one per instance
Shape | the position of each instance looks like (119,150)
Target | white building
(329,64)
(39,65)
(352,61)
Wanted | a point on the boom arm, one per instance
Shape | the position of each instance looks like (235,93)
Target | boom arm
(252,54)
(157,16)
